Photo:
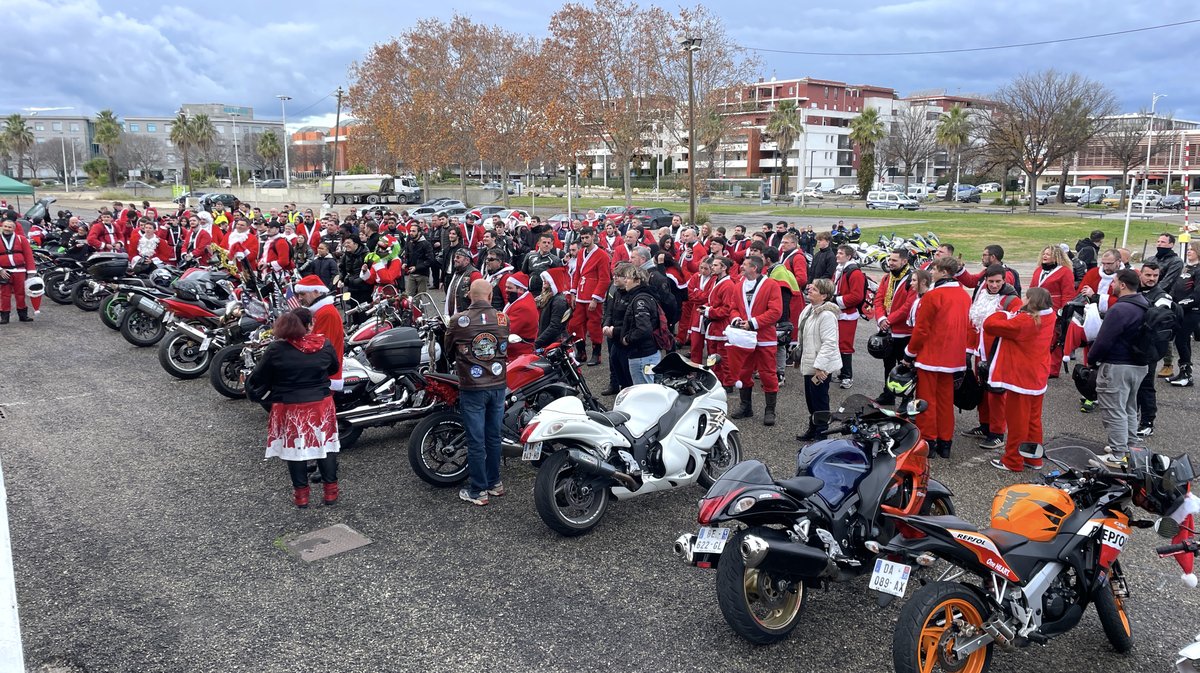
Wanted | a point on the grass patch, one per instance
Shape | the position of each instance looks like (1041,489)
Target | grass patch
(117,196)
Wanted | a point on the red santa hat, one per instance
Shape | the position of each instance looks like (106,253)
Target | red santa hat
(520,279)
(310,283)
(556,279)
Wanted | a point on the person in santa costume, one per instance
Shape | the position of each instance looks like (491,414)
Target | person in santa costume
(178,239)
(1022,349)
(610,239)
(621,251)
(893,302)
(202,237)
(472,234)
(326,320)
(554,305)
(277,253)
(522,312)
(292,377)
(761,306)
(699,289)
(725,304)
(938,348)
(1058,277)
(991,296)
(104,236)
(383,266)
(16,266)
(146,247)
(243,243)
(592,276)
(851,287)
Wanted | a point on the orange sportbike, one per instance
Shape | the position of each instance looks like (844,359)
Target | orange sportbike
(1051,550)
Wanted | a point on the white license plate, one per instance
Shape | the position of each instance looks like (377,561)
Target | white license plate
(204,344)
(532,451)
(711,540)
(890,578)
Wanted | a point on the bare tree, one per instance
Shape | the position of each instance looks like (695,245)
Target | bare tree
(911,140)
(142,152)
(1127,141)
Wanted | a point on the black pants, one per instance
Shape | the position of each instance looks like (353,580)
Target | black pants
(618,366)
(298,470)
(435,276)
(847,367)
(1185,335)
(816,396)
(1147,398)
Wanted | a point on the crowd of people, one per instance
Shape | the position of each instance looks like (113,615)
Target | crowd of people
(760,300)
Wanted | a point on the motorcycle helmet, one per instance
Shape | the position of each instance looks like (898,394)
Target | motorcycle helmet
(902,380)
(1164,482)
(34,286)
(1085,381)
(161,278)
(880,344)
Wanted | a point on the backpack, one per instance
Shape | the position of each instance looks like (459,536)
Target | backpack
(662,333)
(1154,335)
(1078,268)
(664,293)
(1016,278)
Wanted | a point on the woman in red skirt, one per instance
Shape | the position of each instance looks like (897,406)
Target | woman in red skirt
(293,378)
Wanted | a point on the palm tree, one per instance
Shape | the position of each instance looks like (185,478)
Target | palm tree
(108,137)
(953,131)
(866,131)
(710,130)
(204,134)
(18,138)
(270,149)
(784,127)
(181,138)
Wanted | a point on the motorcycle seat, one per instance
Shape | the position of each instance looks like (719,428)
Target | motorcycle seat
(802,486)
(1005,541)
(611,419)
(946,521)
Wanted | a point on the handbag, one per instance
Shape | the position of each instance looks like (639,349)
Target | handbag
(1091,321)
(983,369)
(967,393)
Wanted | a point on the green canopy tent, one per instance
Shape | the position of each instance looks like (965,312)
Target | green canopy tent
(10,187)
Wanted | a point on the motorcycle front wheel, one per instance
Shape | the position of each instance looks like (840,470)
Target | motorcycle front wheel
(57,287)
(141,329)
(564,500)
(84,299)
(758,607)
(437,449)
(1111,611)
(181,356)
(225,372)
(113,309)
(724,455)
(932,624)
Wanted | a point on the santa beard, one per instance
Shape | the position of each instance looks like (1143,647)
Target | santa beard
(147,246)
(238,237)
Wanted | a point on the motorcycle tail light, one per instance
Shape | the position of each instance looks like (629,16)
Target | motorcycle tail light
(742,505)
(925,560)
(711,507)
(908,532)
(529,429)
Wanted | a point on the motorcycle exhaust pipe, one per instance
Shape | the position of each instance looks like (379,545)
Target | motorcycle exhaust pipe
(786,558)
(593,465)
(683,546)
(386,417)
(191,331)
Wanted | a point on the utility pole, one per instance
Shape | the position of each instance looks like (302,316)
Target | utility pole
(237,162)
(66,178)
(1149,146)
(337,132)
(287,140)
(692,45)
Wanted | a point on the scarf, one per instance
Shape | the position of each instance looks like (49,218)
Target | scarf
(309,343)
(896,278)
(147,245)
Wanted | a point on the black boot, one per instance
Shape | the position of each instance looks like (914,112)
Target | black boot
(595,356)
(4,317)
(747,410)
(943,448)
(769,411)
(23,315)
(581,351)
(809,434)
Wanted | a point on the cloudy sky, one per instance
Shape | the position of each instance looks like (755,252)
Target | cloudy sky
(148,56)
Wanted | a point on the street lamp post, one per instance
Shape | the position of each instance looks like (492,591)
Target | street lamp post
(237,162)
(691,45)
(287,140)
(803,150)
(63,138)
(1146,180)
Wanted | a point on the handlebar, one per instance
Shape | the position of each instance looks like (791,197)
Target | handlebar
(1190,546)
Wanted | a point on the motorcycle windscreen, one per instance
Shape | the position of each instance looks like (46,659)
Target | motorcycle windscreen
(745,473)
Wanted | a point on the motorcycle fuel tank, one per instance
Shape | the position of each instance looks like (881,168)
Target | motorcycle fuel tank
(645,403)
(525,370)
(840,463)
(1034,511)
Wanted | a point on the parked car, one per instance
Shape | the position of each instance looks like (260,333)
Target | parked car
(1090,199)
(1193,199)
(188,195)
(438,202)
(451,211)
(809,193)
(207,201)
(1043,197)
(1147,199)
(990,187)
(1112,200)
(559,221)
(485,212)
(1074,193)
(847,190)
(505,214)
(891,187)
(493,185)
(889,200)
(136,185)
(968,194)
(273,184)
(612,213)
(1172,202)
(651,218)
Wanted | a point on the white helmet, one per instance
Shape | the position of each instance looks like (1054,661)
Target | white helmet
(35,286)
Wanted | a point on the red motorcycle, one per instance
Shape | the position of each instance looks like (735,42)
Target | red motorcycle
(437,448)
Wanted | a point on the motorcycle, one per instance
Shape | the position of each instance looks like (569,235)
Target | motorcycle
(201,297)
(659,436)
(437,447)
(194,333)
(1052,550)
(818,526)
(101,266)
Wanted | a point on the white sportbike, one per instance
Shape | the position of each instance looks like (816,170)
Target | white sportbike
(659,436)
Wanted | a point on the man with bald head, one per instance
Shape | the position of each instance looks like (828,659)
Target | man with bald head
(477,340)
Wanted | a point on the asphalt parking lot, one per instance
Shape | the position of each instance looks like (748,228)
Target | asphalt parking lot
(148,531)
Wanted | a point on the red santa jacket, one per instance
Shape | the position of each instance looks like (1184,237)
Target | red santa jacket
(850,290)
(1102,285)
(763,304)
(699,289)
(103,239)
(278,254)
(592,275)
(609,243)
(328,322)
(902,300)
(1022,362)
(736,250)
(797,263)
(941,329)
(201,239)
(162,250)
(522,321)
(15,254)
(1059,282)
(981,343)
(724,305)
(619,254)
(690,258)
(472,236)
(178,241)
(382,272)
(244,247)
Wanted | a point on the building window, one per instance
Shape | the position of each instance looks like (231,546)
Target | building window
(39,126)
(75,127)
(220,129)
(134,128)
(151,128)
(56,126)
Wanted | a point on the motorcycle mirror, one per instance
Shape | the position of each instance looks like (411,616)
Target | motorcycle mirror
(514,339)
(713,360)
(915,407)
(1166,527)
(648,370)
(1031,450)
(345,296)
(822,418)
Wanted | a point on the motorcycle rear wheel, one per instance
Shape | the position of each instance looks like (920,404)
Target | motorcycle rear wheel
(113,309)
(141,329)
(348,434)
(1111,611)
(57,287)
(760,608)
(568,507)
(181,357)
(929,627)
(724,456)
(84,299)
(225,372)
(437,449)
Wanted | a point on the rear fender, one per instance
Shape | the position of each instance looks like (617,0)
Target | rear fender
(575,430)
(939,542)
(936,489)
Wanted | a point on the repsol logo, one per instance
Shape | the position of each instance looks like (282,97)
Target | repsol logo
(1112,538)
(971,539)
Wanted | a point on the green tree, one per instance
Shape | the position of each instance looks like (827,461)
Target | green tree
(953,131)
(270,149)
(108,137)
(866,131)
(18,138)
(784,127)
(181,138)
(96,169)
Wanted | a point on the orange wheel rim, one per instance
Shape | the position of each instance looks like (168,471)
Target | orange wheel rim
(1124,617)
(939,637)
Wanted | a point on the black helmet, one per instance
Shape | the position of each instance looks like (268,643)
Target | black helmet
(902,380)
(1164,481)
(1085,381)
(880,344)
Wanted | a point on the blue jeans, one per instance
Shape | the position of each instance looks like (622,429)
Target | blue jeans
(483,418)
(637,365)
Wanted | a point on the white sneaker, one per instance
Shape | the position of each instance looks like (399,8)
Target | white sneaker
(846,384)
(1114,459)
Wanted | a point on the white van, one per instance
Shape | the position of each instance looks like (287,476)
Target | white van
(918,191)
(1073,193)
(887,200)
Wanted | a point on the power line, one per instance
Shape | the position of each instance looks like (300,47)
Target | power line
(970,49)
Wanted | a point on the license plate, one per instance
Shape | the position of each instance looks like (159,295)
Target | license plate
(532,451)
(204,344)
(890,578)
(711,540)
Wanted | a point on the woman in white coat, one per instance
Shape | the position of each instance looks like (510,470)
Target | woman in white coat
(820,359)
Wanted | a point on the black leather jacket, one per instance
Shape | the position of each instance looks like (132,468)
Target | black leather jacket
(477,339)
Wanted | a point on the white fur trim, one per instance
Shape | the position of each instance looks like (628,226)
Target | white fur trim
(309,288)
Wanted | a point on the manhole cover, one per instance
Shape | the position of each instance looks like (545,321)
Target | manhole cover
(326,542)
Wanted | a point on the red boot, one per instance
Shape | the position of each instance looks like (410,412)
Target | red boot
(301,497)
(331,493)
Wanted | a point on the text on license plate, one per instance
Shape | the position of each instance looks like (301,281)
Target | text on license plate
(532,451)
(711,540)
(890,578)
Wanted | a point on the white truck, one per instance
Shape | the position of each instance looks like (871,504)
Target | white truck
(371,189)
